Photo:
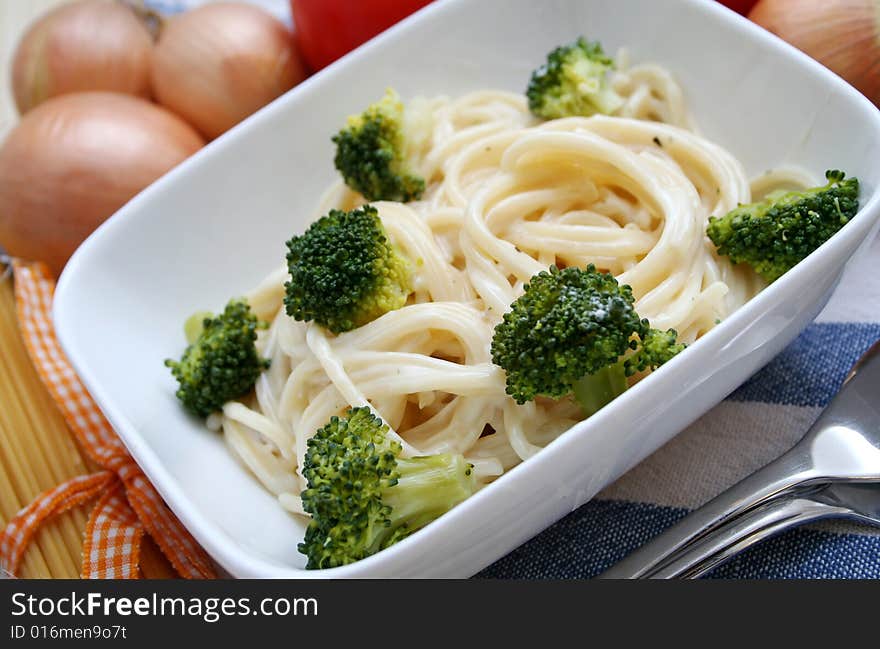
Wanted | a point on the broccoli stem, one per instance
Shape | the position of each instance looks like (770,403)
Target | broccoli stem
(594,391)
(427,487)
(195,325)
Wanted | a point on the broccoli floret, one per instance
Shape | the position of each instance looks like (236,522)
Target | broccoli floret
(656,348)
(573,82)
(575,331)
(363,497)
(373,153)
(344,272)
(773,235)
(221,362)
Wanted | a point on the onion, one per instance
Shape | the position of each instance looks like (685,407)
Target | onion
(843,35)
(218,63)
(74,160)
(88,45)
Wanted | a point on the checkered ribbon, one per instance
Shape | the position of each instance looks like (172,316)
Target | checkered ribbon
(128,505)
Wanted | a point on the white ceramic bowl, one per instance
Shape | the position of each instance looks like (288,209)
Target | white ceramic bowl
(216,225)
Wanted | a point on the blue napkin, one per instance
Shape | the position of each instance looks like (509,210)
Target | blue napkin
(759,421)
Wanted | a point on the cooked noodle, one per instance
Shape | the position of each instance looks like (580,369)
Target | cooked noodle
(506,197)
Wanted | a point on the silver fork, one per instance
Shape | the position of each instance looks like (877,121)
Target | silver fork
(842,446)
(855,501)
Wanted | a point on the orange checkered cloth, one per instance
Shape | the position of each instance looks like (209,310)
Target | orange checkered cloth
(127,504)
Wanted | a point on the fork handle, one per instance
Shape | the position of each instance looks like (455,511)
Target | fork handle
(781,476)
(743,532)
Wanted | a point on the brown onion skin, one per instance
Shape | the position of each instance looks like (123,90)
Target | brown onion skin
(843,35)
(86,45)
(219,63)
(76,159)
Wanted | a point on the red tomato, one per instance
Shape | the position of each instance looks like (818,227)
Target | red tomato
(327,29)
(740,6)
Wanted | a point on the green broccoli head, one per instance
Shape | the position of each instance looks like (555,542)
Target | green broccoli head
(363,497)
(372,153)
(222,362)
(568,323)
(344,272)
(573,82)
(773,235)
(655,348)
(571,332)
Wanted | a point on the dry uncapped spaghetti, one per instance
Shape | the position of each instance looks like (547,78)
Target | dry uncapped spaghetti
(506,197)
(36,453)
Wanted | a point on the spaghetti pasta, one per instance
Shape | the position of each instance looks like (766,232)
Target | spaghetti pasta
(506,197)
(36,453)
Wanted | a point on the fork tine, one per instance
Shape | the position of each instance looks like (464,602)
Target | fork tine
(856,501)
(743,532)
